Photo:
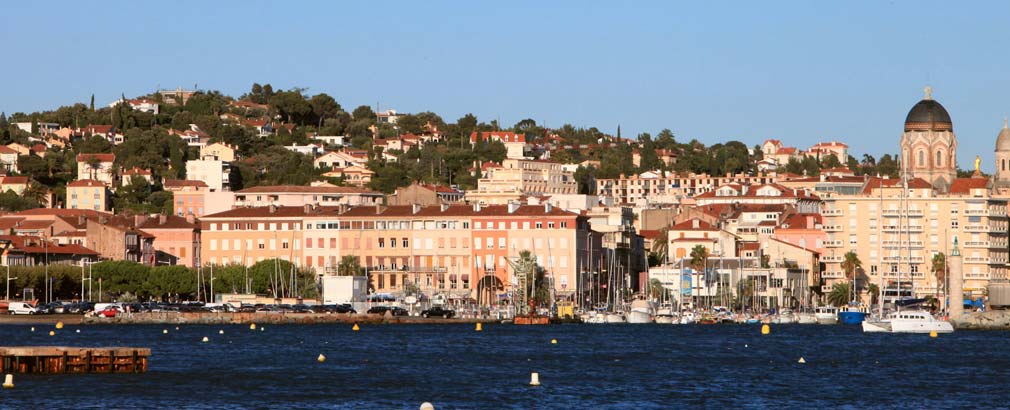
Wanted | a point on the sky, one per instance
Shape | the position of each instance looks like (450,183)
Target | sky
(801,72)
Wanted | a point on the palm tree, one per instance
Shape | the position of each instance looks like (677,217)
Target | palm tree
(37,193)
(874,291)
(940,269)
(839,295)
(851,264)
(349,266)
(699,258)
(661,245)
(532,276)
(656,289)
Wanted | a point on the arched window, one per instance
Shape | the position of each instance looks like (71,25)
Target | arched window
(939,159)
(1004,163)
(922,159)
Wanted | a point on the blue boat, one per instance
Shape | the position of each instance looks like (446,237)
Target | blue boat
(853,314)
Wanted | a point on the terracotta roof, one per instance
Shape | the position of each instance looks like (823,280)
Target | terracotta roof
(649,233)
(689,226)
(13,180)
(7,223)
(7,150)
(877,182)
(98,129)
(965,185)
(33,225)
(136,171)
(86,183)
(786,150)
(101,157)
(800,221)
(502,136)
(35,246)
(61,212)
(305,189)
(773,141)
(39,147)
(179,183)
(440,188)
(391,211)
(171,222)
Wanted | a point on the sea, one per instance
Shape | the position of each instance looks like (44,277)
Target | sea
(452,366)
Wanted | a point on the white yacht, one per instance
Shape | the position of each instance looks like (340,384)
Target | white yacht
(826,315)
(806,318)
(665,315)
(687,317)
(641,311)
(908,321)
(615,317)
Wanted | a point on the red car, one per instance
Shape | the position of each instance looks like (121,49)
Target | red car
(110,311)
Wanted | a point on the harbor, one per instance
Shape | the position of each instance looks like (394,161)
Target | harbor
(76,360)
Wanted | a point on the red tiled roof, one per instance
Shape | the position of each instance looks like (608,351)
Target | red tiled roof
(35,246)
(179,183)
(264,189)
(171,222)
(136,171)
(689,226)
(391,211)
(877,182)
(786,150)
(7,223)
(7,150)
(800,221)
(39,148)
(502,136)
(965,185)
(101,157)
(13,180)
(86,183)
(98,129)
(33,225)
(61,212)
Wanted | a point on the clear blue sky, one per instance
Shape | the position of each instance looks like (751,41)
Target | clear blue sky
(715,71)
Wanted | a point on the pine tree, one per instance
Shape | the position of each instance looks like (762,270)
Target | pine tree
(92,102)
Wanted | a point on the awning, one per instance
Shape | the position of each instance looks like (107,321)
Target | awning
(452,277)
(466,278)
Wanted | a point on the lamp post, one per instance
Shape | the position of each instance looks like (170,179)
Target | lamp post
(7,296)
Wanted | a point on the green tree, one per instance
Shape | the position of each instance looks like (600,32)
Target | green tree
(661,245)
(364,112)
(532,276)
(839,295)
(291,104)
(349,266)
(699,258)
(850,264)
(324,106)
(940,270)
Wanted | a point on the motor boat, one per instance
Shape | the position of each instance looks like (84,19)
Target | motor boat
(806,318)
(665,315)
(908,321)
(641,311)
(852,314)
(687,317)
(826,315)
(616,317)
(784,317)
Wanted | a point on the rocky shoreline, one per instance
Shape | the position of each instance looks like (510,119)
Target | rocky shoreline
(988,320)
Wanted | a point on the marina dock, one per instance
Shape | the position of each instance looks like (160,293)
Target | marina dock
(80,360)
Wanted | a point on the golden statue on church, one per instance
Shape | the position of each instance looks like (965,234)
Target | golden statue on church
(978,163)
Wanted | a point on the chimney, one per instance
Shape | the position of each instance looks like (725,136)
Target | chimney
(81,220)
(272,208)
(695,223)
(443,207)
(476,206)
(513,207)
(342,208)
(139,219)
(162,218)
(307,208)
(415,208)
(810,222)
(547,207)
(190,218)
(379,208)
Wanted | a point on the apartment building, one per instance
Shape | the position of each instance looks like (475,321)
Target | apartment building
(896,233)
(516,178)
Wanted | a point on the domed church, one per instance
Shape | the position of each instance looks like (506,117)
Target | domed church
(1002,180)
(928,145)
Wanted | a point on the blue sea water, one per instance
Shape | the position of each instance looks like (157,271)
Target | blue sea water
(591,367)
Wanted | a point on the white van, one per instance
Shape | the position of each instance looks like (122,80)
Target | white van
(21,308)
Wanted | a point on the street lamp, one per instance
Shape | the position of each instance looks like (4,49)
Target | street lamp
(7,296)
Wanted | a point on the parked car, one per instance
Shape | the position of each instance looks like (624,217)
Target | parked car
(344,308)
(21,308)
(437,311)
(110,311)
(381,310)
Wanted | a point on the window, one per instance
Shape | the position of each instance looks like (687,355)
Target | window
(392,242)
(382,242)
(894,268)
(564,224)
(939,159)
(550,225)
(922,159)
(284,244)
(261,245)
(540,225)
(953,224)
(405,242)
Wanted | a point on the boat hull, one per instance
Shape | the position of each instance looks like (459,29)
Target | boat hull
(615,318)
(851,318)
(911,326)
(639,317)
(665,319)
(531,320)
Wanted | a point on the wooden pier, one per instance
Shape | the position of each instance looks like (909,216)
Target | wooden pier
(80,360)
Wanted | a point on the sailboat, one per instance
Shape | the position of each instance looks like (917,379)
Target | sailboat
(908,321)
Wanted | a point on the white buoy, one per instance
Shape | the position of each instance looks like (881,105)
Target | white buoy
(206,339)
(9,381)
(427,406)
(220,332)
(33,328)
(78,330)
(165,331)
(534,379)
(802,360)
(263,329)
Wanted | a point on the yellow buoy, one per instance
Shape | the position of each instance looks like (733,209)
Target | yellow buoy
(534,379)
(9,381)
(478,327)
(321,358)
(252,326)
(355,328)
(427,406)
(765,329)
(554,341)
(932,333)
(206,339)
(59,325)
(52,333)
(802,360)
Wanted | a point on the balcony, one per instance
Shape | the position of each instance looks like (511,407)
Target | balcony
(832,212)
(976,212)
(976,259)
(897,212)
(980,275)
(897,228)
(903,259)
(976,228)
(833,244)
(832,228)
(833,275)
(976,244)
(902,244)
(832,259)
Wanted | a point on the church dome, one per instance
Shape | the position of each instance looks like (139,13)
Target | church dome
(1003,139)
(928,114)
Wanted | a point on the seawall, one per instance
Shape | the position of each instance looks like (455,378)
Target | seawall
(197,318)
(988,320)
